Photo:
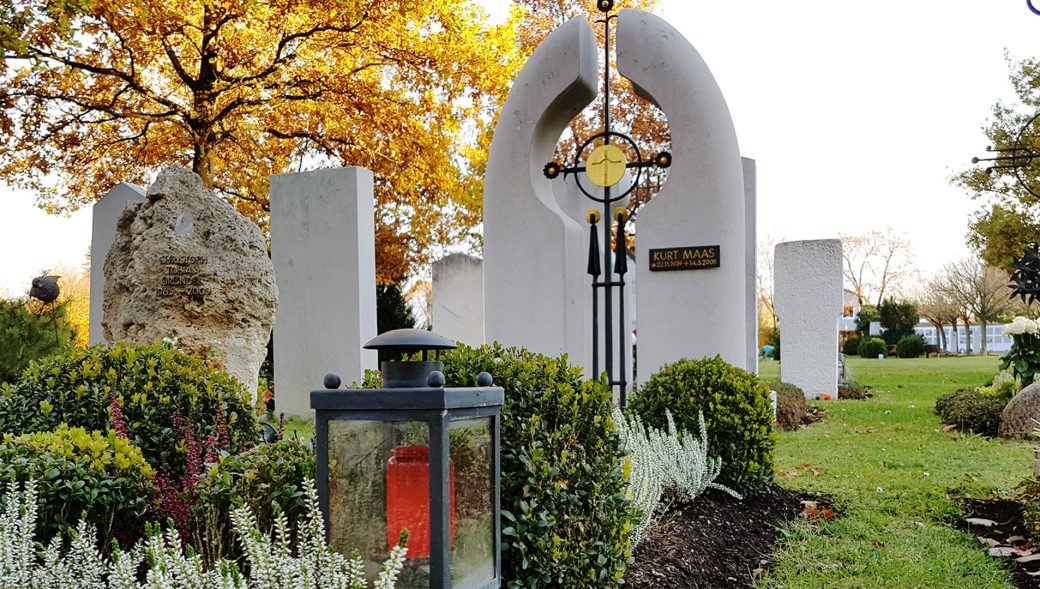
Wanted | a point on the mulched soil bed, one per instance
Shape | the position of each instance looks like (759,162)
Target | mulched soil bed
(717,542)
(1009,530)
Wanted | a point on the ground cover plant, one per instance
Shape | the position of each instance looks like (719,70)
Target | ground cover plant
(895,476)
(165,563)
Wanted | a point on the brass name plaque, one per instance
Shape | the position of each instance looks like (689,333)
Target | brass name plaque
(698,257)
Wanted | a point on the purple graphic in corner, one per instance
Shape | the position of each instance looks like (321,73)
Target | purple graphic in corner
(1029,3)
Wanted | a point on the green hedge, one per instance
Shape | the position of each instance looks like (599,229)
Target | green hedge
(565,518)
(972,410)
(870,347)
(910,346)
(851,346)
(268,479)
(737,414)
(97,477)
(169,404)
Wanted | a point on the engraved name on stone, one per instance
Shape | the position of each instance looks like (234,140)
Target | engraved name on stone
(184,275)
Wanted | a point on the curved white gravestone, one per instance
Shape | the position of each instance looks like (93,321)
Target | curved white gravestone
(106,213)
(535,282)
(534,253)
(697,312)
(807,290)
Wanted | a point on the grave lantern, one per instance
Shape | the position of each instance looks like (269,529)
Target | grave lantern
(413,455)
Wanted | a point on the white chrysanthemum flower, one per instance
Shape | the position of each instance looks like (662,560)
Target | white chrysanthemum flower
(1020,325)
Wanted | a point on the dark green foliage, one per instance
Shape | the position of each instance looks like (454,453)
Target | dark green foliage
(870,347)
(910,346)
(158,396)
(29,331)
(852,390)
(867,313)
(897,319)
(737,414)
(97,477)
(971,410)
(1028,494)
(392,311)
(565,519)
(851,346)
(268,479)
(792,410)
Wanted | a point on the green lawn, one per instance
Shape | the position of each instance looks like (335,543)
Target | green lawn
(894,475)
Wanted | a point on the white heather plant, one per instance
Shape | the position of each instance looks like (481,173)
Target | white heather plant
(271,561)
(657,460)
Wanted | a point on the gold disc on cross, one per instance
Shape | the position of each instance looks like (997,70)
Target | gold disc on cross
(606,165)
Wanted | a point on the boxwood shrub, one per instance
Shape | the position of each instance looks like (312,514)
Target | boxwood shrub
(870,347)
(98,477)
(565,520)
(268,478)
(792,410)
(851,346)
(168,403)
(972,410)
(737,413)
(910,346)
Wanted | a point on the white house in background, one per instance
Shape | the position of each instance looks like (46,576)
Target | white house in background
(996,341)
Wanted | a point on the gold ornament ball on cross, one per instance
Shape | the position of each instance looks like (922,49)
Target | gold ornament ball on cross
(606,165)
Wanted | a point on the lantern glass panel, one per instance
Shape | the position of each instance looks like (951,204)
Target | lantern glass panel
(473,546)
(360,453)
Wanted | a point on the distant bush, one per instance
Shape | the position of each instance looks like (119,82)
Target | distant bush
(792,410)
(870,347)
(29,332)
(853,390)
(910,346)
(971,410)
(565,519)
(851,346)
(736,408)
(99,477)
(268,479)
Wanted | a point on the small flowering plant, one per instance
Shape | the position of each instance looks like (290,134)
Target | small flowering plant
(1024,357)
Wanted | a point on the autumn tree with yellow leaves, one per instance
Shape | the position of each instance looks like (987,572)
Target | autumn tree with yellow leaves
(94,92)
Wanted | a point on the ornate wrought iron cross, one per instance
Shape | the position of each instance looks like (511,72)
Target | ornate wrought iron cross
(604,168)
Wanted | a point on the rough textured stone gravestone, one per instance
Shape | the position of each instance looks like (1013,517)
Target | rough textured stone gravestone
(535,253)
(807,291)
(323,248)
(186,264)
(458,298)
(1018,418)
(106,213)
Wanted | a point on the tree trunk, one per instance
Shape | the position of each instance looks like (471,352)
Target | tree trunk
(982,336)
(967,336)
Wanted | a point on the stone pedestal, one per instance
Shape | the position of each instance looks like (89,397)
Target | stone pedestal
(323,249)
(807,292)
(458,299)
(106,213)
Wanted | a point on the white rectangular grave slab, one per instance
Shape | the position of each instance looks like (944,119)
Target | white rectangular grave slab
(458,298)
(323,249)
(106,213)
(751,263)
(807,289)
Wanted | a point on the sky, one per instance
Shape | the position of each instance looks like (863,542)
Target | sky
(856,113)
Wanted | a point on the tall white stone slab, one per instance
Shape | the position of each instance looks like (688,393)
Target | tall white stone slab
(323,249)
(458,298)
(535,254)
(807,291)
(688,313)
(106,213)
(751,262)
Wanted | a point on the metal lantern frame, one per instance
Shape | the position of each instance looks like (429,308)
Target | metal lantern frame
(438,407)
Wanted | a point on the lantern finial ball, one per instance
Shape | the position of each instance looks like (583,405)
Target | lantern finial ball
(332,381)
(436,379)
(484,379)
